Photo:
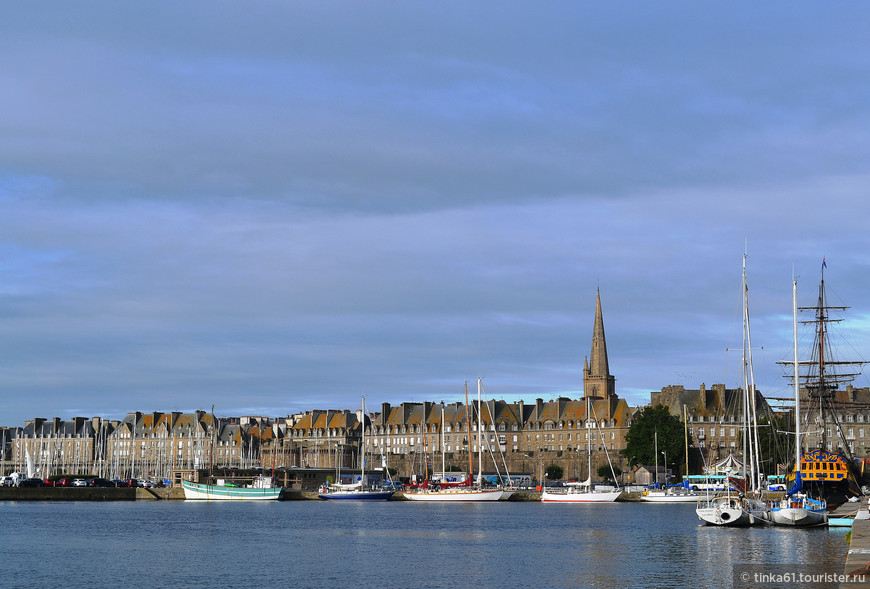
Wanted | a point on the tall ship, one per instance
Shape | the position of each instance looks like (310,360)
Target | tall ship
(827,471)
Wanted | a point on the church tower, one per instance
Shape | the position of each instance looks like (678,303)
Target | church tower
(598,383)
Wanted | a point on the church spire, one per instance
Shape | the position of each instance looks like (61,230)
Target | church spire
(598,366)
(597,380)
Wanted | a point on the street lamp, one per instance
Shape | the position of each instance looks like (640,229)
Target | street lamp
(665,454)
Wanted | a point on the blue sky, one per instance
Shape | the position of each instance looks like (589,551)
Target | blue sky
(277,206)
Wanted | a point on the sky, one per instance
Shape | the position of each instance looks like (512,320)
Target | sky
(272,207)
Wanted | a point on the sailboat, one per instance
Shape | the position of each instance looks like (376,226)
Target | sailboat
(797,508)
(465,490)
(674,493)
(825,472)
(361,490)
(732,507)
(584,492)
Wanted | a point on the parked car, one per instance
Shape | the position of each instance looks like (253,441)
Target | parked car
(129,483)
(63,482)
(79,483)
(49,483)
(99,482)
(6,481)
(31,483)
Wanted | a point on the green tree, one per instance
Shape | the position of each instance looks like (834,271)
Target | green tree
(640,441)
(554,472)
(605,473)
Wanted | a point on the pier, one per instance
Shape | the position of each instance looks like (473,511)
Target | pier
(858,557)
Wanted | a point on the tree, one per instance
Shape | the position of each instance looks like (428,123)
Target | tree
(640,441)
(605,473)
(554,472)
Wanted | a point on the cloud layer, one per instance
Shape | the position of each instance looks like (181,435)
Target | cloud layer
(277,207)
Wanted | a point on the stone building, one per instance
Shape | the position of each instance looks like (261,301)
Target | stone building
(320,439)
(715,416)
(845,427)
(526,437)
(56,446)
(523,437)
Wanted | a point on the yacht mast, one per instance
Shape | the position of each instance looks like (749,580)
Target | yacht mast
(468,432)
(479,438)
(797,385)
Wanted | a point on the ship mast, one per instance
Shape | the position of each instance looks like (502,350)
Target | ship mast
(821,379)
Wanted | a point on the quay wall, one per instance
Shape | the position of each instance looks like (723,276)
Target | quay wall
(858,556)
(67,494)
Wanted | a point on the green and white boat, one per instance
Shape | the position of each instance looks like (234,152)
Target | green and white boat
(261,489)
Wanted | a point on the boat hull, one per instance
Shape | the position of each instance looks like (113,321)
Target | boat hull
(732,511)
(687,498)
(725,516)
(604,497)
(202,492)
(357,495)
(454,495)
(798,517)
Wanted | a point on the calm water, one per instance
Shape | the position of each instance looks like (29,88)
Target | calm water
(389,544)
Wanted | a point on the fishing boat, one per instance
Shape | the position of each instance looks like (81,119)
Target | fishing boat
(585,492)
(465,490)
(798,508)
(361,490)
(732,507)
(262,488)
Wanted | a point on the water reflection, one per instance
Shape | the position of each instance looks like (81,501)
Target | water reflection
(324,544)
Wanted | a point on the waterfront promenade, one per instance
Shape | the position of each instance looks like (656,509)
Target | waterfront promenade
(858,556)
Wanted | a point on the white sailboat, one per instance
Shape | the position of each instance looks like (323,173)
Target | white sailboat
(676,493)
(465,490)
(732,507)
(584,492)
(361,490)
(797,508)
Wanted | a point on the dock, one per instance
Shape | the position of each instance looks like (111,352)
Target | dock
(858,557)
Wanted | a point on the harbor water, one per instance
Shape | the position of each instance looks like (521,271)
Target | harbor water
(388,544)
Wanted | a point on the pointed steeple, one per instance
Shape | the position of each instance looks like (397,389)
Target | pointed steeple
(599,366)
(597,380)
